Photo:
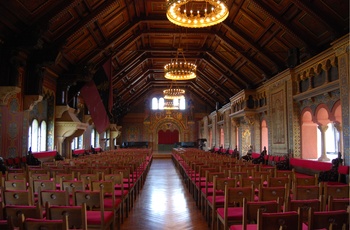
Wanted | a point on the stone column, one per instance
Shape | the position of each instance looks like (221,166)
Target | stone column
(339,128)
(323,129)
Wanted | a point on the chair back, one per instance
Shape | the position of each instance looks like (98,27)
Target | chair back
(13,211)
(337,203)
(18,197)
(336,191)
(76,215)
(273,193)
(279,181)
(39,224)
(53,197)
(16,185)
(333,220)
(73,185)
(88,177)
(250,210)
(304,205)
(15,176)
(42,185)
(307,192)
(279,220)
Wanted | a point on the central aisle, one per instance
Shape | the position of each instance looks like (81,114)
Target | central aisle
(164,202)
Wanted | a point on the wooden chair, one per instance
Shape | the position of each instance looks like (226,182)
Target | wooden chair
(279,182)
(42,185)
(18,197)
(76,215)
(16,185)
(304,181)
(304,205)
(250,213)
(336,191)
(279,220)
(87,178)
(14,211)
(285,173)
(53,197)
(112,202)
(337,203)
(59,177)
(96,215)
(39,176)
(333,220)
(274,193)
(307,192)
(232,212)
(39,224)
(120,193)
(15,176)
(208,189)
(256,182)
(218,197)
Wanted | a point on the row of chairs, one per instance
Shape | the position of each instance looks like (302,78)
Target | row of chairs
(207,184)
(113,191)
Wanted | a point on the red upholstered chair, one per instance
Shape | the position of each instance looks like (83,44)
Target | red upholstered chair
(279,220)
(18,197)
(232,212)
(274,193)
(336,191)
(53,197)
(333,220)
(39,224)
(12,212)
(304,205)
(76,215)
(96,215)
(250,213)
(16,185)
(218,199)
(337,203)
(307,192)
(208,188)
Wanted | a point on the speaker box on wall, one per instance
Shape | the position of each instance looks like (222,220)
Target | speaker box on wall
(293,58)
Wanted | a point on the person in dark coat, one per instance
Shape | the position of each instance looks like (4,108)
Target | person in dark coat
(261,158)
(3,167)
(332,174)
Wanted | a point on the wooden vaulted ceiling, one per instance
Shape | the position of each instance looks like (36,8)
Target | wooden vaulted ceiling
(252,45)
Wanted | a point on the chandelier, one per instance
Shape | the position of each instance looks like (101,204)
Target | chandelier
(203,14)
(174,93)
(169,105)
(180,70)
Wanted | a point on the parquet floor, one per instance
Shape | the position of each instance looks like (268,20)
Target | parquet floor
(164,202)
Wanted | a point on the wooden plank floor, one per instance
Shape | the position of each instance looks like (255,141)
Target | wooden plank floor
(164,202)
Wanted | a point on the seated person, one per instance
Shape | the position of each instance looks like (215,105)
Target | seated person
(235,153)
(3,167)
(261,158)
(58,157)
(31,160)
(332,174)
(92,149)
(283,164)
(248,156)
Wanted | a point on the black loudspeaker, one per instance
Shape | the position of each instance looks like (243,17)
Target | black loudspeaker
(293,58)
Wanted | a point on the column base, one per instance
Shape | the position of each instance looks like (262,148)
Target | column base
(323,158)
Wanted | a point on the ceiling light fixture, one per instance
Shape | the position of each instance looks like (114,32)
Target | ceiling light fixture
(196,13)
(169,105)
(174,92)
(180,70)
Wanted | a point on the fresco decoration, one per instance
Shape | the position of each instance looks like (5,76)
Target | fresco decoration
(12,152)
(133,133)
(50,98)
(278,116)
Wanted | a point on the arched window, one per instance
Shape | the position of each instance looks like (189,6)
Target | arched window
(43,128)
(35,136)
(158,103)
(154,103)
(93,138)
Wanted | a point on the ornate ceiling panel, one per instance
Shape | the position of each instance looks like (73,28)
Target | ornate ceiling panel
(253,44)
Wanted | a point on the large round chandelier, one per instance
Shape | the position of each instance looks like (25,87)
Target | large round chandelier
(180,70)
(196,13)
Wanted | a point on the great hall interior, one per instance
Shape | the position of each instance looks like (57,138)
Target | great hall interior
(90,75)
